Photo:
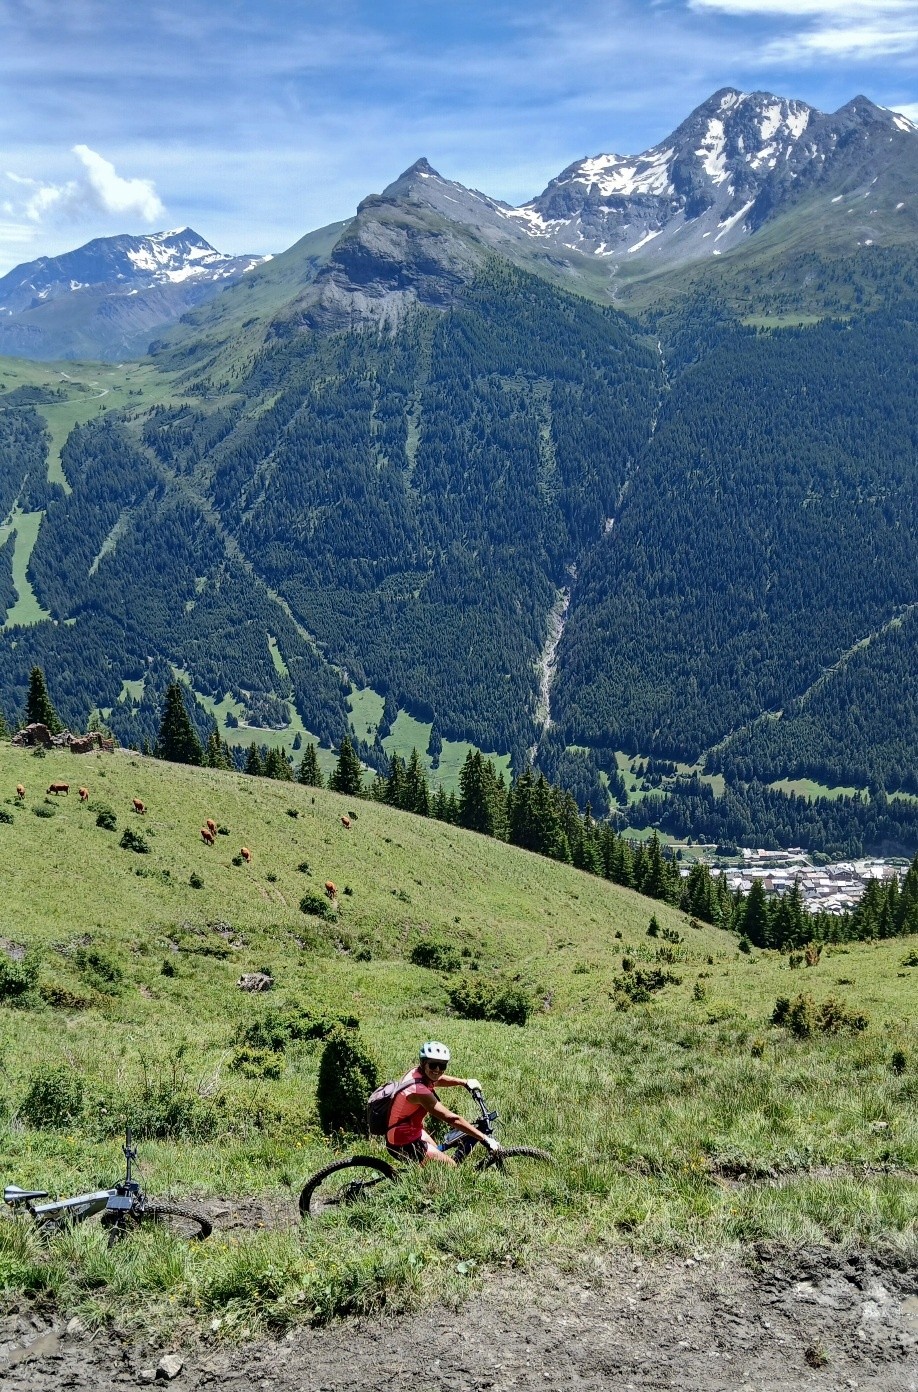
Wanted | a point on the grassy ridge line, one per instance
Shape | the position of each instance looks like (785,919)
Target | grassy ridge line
(644,1109)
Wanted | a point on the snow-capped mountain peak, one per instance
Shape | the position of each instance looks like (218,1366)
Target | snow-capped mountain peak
(721,174)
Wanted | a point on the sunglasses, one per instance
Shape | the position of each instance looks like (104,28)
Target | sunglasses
(431,1063)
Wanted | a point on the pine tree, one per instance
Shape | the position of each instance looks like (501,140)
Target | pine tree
(277,765)
(216,751)
(348,775)
(395,783)
(177,740)
(39,710)
(309,772)
(253,762)
(416,797)
(4,728)
(756,920)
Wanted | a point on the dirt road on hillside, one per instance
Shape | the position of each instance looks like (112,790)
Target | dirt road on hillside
(807,1320)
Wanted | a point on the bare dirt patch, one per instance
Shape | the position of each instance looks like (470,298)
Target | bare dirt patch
(790,1321)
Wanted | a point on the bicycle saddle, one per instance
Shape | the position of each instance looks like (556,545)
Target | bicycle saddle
(12,1194)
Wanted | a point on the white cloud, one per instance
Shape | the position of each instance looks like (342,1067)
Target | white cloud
(117,195)
(828,29)
(98,190)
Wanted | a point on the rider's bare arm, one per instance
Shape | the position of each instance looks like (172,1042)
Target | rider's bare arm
(442,1113)
(447,1081)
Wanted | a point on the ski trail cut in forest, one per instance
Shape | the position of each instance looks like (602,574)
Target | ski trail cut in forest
(824,677)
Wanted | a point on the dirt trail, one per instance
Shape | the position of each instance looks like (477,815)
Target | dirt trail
(797,1321)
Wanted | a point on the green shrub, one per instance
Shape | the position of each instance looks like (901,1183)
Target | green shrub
(45,809)
(105,816)
(6,817)
(132,840)
(161,1111)
(283,1024)
(62,998)
(438,956)
(911,958)
(303,867)
(168,967)
(54,1098)
(699,991)
(636,987)
(899,1061)
(653,927)
(256,1063)
(744,945)
(804,1017)
(348,1073)
(194,879)
(317,905)
(98,970)
(17,979)
(498,999)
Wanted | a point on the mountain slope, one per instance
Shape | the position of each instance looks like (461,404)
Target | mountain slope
(106,298)
(407,458)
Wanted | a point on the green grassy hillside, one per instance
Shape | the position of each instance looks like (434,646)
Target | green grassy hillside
(687,1120)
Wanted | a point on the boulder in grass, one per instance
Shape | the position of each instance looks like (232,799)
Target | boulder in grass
(255,981)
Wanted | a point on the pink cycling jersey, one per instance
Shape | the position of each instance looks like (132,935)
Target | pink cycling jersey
(406,1117)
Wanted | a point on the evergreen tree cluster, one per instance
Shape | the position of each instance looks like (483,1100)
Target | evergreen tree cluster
(752,814)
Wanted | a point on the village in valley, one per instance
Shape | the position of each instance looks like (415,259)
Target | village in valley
(833,888)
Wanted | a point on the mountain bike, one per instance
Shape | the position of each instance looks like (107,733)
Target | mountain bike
(347,1181)
(123,1207)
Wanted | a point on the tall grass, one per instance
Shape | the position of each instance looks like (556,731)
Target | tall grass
(686,1122)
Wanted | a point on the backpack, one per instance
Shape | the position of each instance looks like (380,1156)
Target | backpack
(379,1105)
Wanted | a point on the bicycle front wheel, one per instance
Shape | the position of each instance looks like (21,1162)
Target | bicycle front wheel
(180,1222)
(344,1183)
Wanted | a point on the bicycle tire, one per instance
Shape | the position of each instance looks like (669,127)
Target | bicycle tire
(494,1160)
(181,1222)
(314,1200)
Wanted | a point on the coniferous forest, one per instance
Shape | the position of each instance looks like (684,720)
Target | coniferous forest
(724,513)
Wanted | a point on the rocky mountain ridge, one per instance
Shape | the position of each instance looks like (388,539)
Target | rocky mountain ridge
(104,299)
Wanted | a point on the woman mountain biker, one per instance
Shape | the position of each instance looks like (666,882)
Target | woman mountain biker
(416,1099)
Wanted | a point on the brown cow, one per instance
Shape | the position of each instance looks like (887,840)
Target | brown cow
(346,823)
(207,836)
(139,806)
(58,787)
(84,794)
(246,854)
(20,791)
(330,889)
(211,826)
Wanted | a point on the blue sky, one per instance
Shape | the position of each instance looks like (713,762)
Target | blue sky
(256,122)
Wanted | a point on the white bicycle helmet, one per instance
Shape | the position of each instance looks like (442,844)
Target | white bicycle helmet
(435,1051)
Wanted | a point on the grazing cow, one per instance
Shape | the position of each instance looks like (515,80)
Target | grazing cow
(20,791)
(330,889)
(58,787)
(211,826)
(346,823)
(84,794)
(139,806)
(245,853)
(207,836)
